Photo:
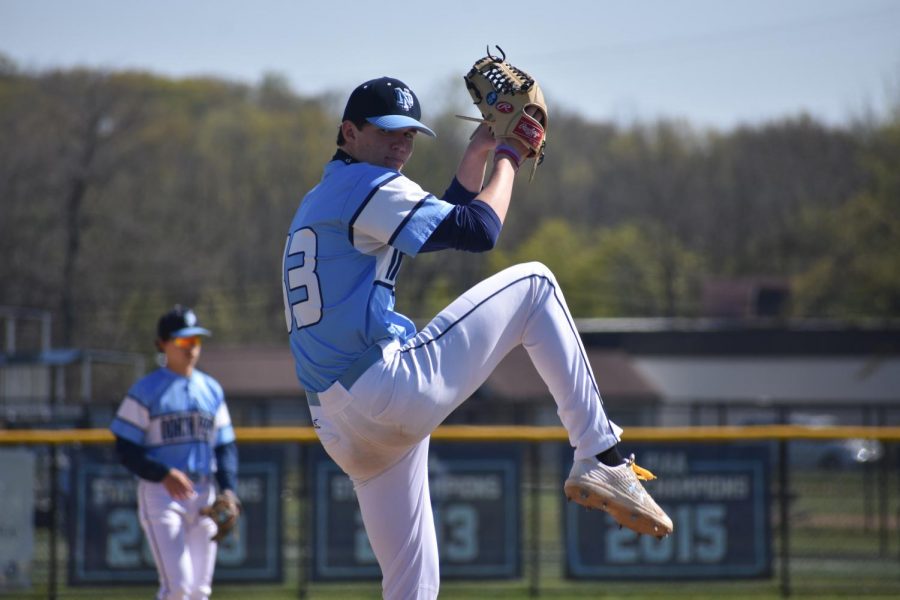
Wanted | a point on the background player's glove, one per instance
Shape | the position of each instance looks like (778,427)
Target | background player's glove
(224,512)
(505,96)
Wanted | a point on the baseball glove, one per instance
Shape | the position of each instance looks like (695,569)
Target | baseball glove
(224,511)
(510,101)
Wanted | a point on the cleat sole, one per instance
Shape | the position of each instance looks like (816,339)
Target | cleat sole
(623,515)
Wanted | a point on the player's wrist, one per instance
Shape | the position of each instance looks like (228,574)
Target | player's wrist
(508,152)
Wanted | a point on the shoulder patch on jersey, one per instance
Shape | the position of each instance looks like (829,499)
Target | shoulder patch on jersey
(386,211)
(376,184)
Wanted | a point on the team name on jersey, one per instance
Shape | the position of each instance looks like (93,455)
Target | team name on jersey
(185,427)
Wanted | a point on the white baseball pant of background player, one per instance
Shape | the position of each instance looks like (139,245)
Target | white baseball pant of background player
(179,537)
(378,430)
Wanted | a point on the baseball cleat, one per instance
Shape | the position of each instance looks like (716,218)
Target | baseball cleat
(617,491)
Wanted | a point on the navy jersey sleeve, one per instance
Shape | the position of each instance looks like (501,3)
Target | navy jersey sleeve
(473,227)
(227,463)
(134,458)
(457,194)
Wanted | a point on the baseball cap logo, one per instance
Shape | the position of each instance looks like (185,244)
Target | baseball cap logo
(404,98)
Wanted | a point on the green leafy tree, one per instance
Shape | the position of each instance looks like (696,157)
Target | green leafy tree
(858,274)
(630,270)
(124,192)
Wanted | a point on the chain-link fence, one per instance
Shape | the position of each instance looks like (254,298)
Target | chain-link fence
(758,512)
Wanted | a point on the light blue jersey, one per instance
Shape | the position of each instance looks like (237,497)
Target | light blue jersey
(179,420)
(341,260)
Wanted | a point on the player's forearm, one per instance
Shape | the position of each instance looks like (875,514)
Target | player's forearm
(470,172)
(498,190)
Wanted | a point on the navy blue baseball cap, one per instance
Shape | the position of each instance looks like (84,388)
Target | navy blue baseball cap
(386,103)
(179,322)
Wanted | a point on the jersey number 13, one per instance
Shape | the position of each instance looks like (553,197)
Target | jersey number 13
(302,297)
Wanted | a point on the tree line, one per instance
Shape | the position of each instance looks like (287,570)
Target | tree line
(124,192)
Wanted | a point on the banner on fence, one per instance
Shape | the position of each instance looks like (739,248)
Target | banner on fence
(16,519)
(717,497)
(475,496)
(109,546)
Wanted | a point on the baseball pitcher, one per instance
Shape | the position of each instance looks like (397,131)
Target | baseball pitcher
(376,386)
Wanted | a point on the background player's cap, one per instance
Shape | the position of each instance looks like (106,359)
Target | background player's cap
(179,322)
(386,103)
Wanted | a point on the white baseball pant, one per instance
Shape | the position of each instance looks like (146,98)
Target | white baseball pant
(179,538)
(376,425)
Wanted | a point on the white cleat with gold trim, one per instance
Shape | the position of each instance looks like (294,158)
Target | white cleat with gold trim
(618,491)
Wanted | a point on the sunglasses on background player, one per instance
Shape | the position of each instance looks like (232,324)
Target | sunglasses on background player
(188,342)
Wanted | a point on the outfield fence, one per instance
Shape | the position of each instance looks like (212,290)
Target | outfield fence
(752,516)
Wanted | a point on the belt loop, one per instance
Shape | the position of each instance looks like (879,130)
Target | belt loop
(312,398)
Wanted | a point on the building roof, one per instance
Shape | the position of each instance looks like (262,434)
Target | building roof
(259,371)
(741,337)
(653,359)
(269,372)
(515,378)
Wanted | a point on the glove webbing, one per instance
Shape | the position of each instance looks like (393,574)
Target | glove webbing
(502,79)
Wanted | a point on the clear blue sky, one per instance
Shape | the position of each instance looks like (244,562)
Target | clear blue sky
(714,62)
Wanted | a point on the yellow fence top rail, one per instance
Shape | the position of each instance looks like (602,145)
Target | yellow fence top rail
(502,433)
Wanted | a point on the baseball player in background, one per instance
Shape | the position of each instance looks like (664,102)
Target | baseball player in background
(173,432)
(376,387)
